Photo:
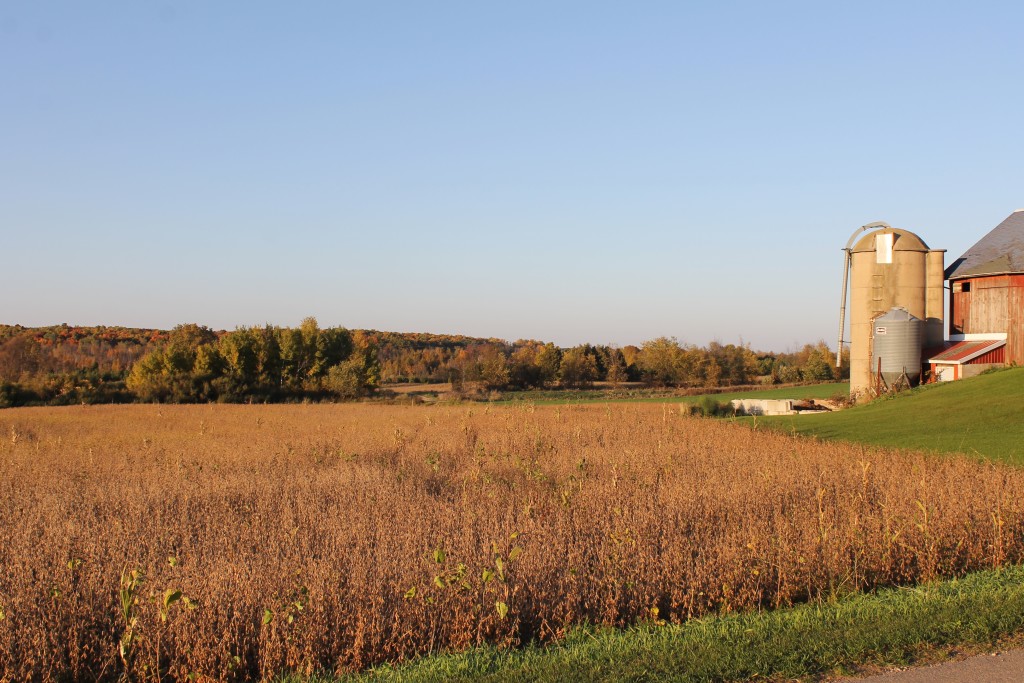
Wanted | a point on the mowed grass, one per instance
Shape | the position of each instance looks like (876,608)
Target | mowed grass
(887,628)
(981,416)
(809,391)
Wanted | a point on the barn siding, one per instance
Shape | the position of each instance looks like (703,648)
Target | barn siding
(993,356)
(993,304)
(959,308)
(989,306)
(991,282)
(1015,328)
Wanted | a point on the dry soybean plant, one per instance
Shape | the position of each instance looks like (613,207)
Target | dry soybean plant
(152,543)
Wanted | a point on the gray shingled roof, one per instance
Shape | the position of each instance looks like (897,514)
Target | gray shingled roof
(997,253)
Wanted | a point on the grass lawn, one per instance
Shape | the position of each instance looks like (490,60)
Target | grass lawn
(566,397)
(981,416)
(889,627)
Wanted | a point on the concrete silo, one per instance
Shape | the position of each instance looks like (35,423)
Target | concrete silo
(888,268)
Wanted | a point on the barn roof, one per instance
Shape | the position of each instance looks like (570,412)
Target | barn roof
(997,253)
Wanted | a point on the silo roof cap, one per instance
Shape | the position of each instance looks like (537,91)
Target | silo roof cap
(904,240)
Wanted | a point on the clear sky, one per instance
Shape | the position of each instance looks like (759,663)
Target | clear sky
(567,171)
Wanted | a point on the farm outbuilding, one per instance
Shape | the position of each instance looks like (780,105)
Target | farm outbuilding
(986,304)
(967,359)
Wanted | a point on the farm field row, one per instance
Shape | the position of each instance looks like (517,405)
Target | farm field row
(244,541)
(848,635)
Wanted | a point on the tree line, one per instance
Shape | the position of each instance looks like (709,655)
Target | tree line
(64,364)
(262,364)
(661,362)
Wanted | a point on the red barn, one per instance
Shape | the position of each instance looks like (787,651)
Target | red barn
(986,304)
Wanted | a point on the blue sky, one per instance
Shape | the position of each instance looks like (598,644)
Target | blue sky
(568,171)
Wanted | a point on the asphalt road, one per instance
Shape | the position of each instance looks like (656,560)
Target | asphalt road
(1003,667)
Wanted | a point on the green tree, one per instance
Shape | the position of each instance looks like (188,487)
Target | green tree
(712,373)
(661,362)
(348,379)
(523,369)
(578,368)
(208,366)
(192,336)
(819,364)
(616,370)
(148,379)
(241,357)
(294,361)
(364,356)
(330,347)
(493,368)
(548,361)
(269,364)
(169,373)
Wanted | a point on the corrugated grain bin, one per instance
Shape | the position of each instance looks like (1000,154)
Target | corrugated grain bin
(897,338)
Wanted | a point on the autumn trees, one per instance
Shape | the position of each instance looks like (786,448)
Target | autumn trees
(578,368)
(66,364)
(661,362)
(263,364)
(666,362)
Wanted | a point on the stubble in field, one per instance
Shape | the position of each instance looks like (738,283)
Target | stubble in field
(234,542)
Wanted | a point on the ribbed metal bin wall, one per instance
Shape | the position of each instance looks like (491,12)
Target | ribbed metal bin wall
(897,338)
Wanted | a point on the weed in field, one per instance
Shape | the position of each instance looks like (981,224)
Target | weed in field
(332,538)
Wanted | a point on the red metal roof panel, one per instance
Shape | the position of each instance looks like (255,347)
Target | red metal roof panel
(966,350)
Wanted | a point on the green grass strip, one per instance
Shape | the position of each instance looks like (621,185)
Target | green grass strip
(889,627)
(566,397)
(981,416)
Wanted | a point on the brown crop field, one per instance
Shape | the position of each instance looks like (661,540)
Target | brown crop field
(236,542)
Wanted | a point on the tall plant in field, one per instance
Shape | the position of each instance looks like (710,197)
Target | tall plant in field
(336,537)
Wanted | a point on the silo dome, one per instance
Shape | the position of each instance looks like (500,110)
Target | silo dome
(902,240)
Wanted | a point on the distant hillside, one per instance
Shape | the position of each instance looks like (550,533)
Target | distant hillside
(982,416)
(66,364)
(63,364)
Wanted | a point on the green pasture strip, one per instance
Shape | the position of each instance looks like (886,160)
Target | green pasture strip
(889,627)
(807,391)
(981,416)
